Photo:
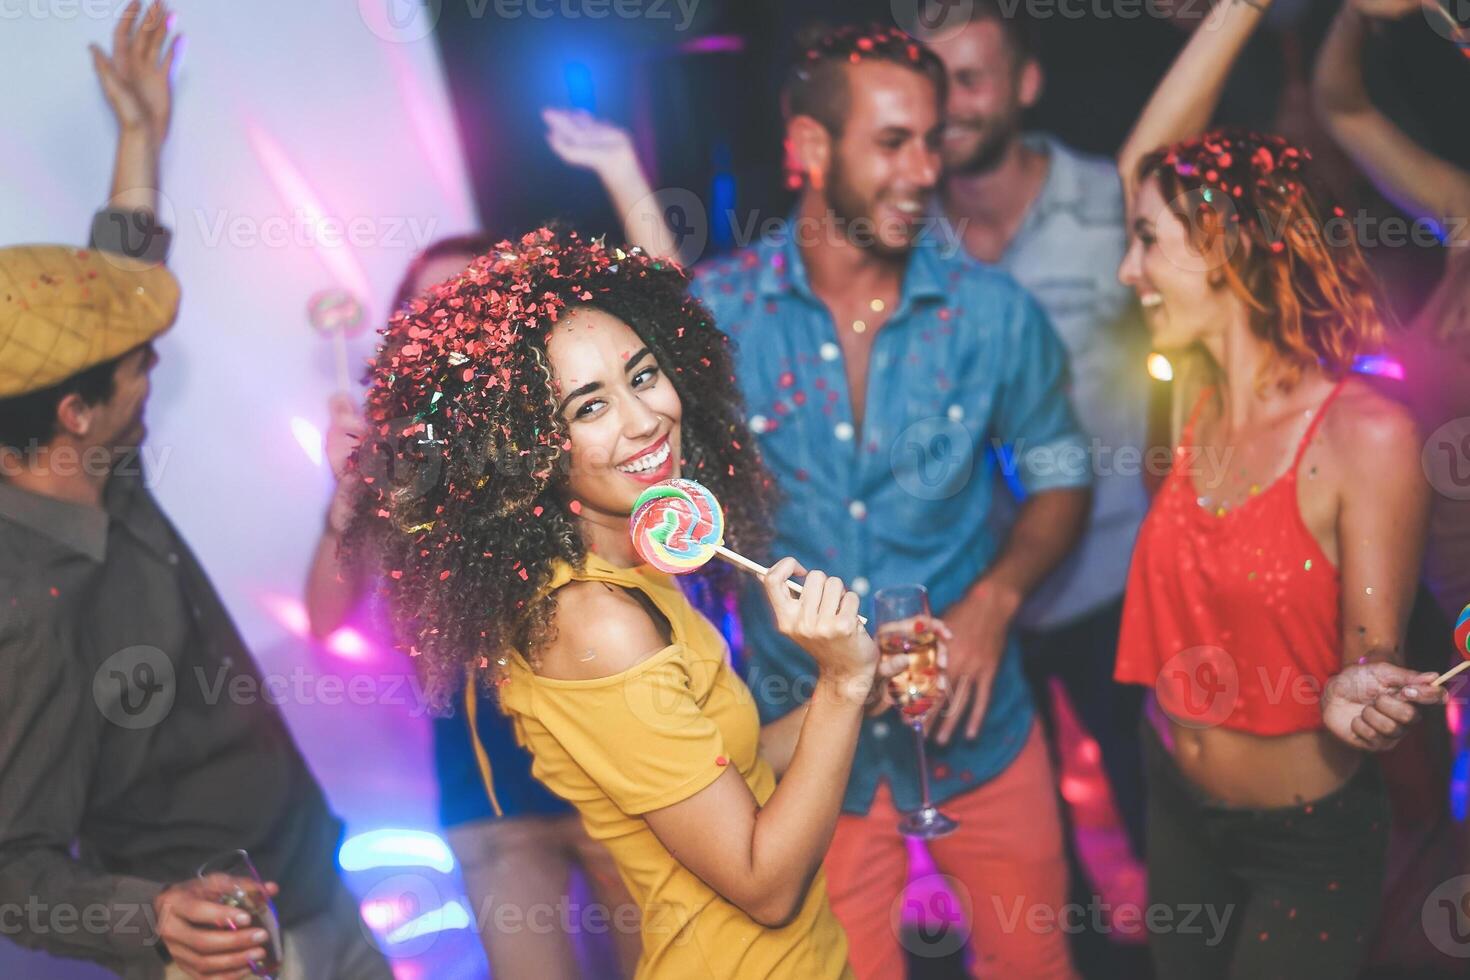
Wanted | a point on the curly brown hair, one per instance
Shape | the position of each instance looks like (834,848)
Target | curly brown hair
(1311,296)
(464,470)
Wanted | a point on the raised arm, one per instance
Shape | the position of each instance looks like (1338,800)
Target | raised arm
(333,589)
(759,858)
(593,144)
(135,79)
(1186,98)
(1419,182)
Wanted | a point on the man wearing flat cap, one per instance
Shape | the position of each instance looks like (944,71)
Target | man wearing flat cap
(121,772)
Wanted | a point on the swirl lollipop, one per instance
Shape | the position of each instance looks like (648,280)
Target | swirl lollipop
(678,526)
(1462,647)
(335,313)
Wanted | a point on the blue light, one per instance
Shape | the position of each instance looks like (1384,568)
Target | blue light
(580,91)
(1380,365)
(1460,784)
(395,849)
(451,915)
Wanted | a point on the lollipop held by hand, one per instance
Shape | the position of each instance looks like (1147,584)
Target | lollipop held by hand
(678,526)
(335,313)
(1462,647)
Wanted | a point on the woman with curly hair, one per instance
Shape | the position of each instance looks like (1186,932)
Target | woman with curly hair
(516,413)
(1273,577)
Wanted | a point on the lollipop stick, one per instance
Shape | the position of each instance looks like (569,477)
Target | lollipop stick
(339,344)
(1442,678)
(759,570)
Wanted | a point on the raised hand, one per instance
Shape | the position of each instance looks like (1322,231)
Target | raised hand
(136,77)
(582,140)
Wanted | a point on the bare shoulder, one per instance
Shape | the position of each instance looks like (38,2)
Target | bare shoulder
(601,630)
(1366,428)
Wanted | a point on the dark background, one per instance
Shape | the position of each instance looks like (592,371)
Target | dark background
(708,120)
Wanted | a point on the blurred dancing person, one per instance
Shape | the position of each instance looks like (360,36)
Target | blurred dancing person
(1274,574)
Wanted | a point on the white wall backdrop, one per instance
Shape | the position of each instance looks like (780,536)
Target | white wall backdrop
(282,108)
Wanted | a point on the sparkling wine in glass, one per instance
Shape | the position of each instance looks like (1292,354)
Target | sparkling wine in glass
(906,626)
(247,893)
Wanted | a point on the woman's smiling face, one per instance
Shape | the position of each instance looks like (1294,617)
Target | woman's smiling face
(622,414)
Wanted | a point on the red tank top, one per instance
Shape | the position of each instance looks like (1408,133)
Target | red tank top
(1232,616)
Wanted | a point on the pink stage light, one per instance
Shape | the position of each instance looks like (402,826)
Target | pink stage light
(1380,365)
(296,192)
(289,612)
(434,131)
(349,644)
(309,437)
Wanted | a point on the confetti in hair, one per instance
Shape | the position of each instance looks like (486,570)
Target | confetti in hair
(464,468)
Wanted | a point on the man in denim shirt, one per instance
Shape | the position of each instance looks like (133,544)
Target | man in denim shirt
(878,364)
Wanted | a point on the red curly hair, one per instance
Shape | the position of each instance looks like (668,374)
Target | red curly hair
(1310,293)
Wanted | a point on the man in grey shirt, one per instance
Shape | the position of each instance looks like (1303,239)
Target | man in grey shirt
(1053,218)
(135,737)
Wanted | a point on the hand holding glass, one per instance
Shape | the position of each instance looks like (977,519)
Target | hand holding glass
(906,627)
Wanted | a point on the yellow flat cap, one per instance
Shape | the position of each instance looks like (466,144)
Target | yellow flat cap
(63,310)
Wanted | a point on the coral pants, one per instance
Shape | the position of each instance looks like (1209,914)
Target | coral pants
(1005,864)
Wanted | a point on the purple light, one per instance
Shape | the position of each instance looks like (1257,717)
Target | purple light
(713,44)
(1379,364)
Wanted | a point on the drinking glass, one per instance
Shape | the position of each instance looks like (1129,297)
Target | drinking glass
(247,893)
(906,626)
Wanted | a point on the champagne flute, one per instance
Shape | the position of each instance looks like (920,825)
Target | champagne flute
(906,626)
(247,893)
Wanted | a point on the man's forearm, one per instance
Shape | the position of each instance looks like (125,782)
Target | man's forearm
(1047,527)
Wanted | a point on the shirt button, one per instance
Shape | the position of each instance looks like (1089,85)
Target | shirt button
(880,729)
(843,431)
(955,413)
(173,557)
(829,351)
(758,424)
(860,585)
(858,510)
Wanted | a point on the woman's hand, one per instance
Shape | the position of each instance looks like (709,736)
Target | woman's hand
(1371,706)
(823,622)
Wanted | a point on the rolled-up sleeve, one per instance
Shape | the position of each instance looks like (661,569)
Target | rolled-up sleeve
(136,234)
(50,728)
(1034,413)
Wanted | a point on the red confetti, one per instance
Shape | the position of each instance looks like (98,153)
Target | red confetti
(721,761)
(575,506)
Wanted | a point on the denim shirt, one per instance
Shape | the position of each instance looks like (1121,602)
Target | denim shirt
(966,360)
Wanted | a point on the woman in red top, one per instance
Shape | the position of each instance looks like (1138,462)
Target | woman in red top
(1272,580)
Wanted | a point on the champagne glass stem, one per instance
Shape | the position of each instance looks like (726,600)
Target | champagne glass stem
(918,728)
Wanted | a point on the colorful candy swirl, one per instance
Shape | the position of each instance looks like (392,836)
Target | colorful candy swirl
(1462,633)
(677,525)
